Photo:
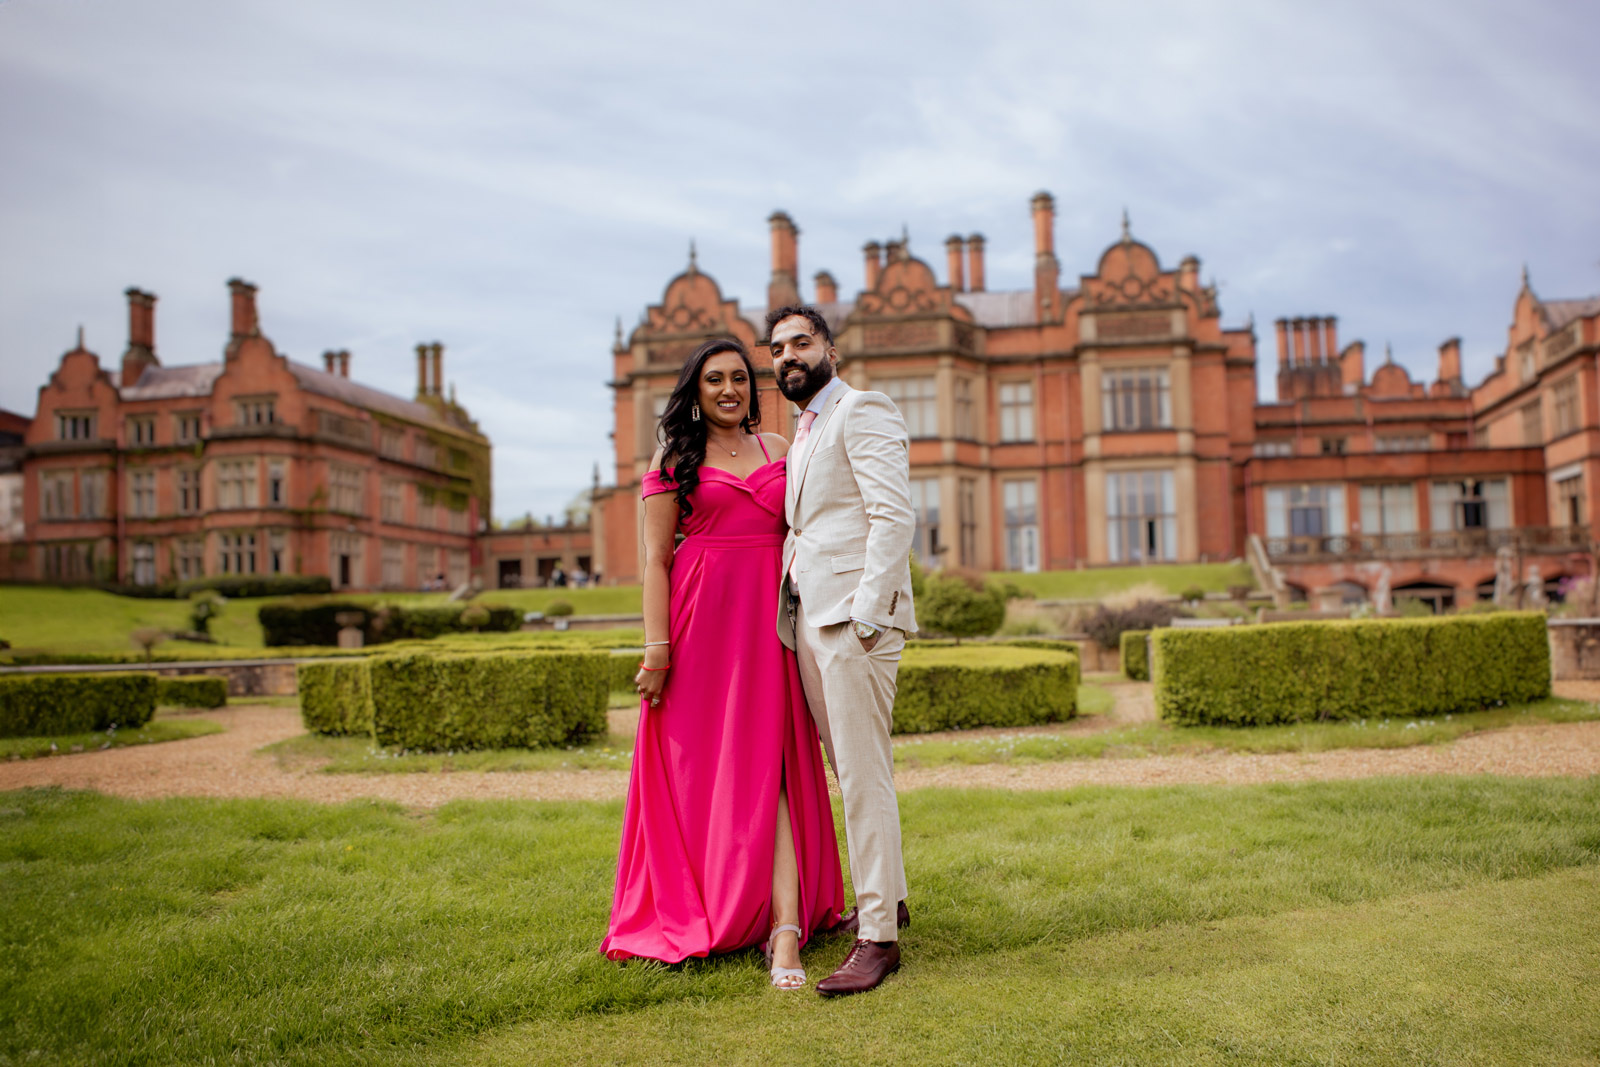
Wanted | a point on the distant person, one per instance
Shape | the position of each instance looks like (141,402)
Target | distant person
(727,835)
(580,578)
(558,577)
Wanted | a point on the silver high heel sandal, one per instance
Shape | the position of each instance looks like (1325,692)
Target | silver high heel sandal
(783,977)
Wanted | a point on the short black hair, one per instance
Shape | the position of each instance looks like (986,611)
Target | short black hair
(805,311)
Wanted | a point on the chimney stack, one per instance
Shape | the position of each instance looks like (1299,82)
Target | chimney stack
(1189,274)
(955,251)
(1299,326)
(344,363)
(784,288)
(1330,336)
(1314,329)
(1283,342)
(1046,268)
(244,308)
(1450,360)
(330,361)
(827,288)
(975,263)
(874,263)
(422,371)
(141,352)
(437,351)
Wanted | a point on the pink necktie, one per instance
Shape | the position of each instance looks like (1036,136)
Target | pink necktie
(807,417)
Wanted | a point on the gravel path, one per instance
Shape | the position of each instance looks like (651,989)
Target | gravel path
(229,765)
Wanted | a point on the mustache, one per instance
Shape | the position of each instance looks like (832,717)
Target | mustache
(793,365)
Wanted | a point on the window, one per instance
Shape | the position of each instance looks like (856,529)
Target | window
(1532,424)
(917,399)
(1388,509)
(76,426)
(344,489)
(456,519)
(1569,500)
(142,494)
(188,492)
(392,442)
(236,483)
(55,495)
(925,503)
(456,568)
(277,548)
(346,569)
(1470,505)
(1306,511)
(191,555)
(1282,447)
(144,563)
(967,489)
(1525,361)
(427,516)
(391,501)
(1022,525)
(1417,442)
(187,428)
(238,555)
(394,564)
(427,453)
(1142,516)
(966,421)
(141,434)
(1016,411)
(1565,395)
(92,494)
(658,405)
(1333,446)
(72,562)
(344,428)
(277,483)
(1136,399)
(254,411)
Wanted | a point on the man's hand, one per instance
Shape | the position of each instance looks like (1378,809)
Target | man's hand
(868,642)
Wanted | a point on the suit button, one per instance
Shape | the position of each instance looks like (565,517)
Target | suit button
(797,533)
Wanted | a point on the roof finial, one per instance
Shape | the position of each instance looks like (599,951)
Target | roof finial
(905,235)
(80,335)
(694,266)
(1388,353)
(618,341)
(1525,284)
(1127,236)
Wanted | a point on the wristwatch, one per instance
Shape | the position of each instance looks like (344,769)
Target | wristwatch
(865,631)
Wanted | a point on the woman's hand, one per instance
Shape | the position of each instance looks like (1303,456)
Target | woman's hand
(651,682)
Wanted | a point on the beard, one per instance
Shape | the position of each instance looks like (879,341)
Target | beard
(802,389)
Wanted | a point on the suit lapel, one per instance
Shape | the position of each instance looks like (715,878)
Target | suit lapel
(815,438)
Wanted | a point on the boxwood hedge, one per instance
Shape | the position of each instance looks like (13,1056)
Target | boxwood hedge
(336,696)
(960,687)
(192,691)
(1136,654)
(298,622)
(46,705)
(1370,668)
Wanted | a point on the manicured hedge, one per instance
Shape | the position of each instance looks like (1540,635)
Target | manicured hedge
(317,622)
(45,705)
(1136,654)
(1370,668)
(295,622)
(192,691)
(958,688)
(428,621)
(436,702)
(336,696)
(249,585)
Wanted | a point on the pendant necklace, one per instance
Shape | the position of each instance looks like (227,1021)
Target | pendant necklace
(726,449)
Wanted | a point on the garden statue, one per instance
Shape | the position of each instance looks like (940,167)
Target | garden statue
(1504,584)
(1380,595)
(1536,597)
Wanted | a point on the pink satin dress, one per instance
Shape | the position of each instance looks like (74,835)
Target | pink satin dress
(694,874)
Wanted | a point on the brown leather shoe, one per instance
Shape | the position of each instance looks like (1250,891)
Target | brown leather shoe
(850,921)
(867,965)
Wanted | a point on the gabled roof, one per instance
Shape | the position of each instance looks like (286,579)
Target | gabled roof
(1559,313)
(166,383)
(997,310)
(355,394)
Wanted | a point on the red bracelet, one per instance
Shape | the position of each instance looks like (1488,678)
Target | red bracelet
(642,667)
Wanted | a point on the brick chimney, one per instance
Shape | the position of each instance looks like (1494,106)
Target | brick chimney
(245,323)
(330,360)
(1314,331)
(955,251)
(1299,326)
(1450,360)
(344,363)
(436,350)
(1046,268)
(1283,342)
(873,253)
(1353,367)
(422,371)
(1189,274)
(975,263)
(141,351)
(1330,336)
(784,288)
(827,288)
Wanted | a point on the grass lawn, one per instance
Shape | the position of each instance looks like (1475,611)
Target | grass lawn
(160,728)
(1431,921)
(42,618)
(1095,582)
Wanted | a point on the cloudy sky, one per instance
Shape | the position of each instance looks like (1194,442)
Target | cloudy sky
(509,176)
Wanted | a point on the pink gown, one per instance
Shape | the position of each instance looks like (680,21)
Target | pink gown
(694,875)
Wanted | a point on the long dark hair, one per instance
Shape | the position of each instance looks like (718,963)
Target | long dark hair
(682,436)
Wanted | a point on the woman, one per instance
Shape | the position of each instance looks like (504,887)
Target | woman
(727,838)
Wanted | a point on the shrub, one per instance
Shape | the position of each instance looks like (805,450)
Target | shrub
(1299,671)
(336,696)
(558,608)
(1108,622)
(958,605)
(300,622)
(192,691)
(146,638)
(203,607)
(1192,595)
(46,705)
(499,700)
(1136,654)
(474,617)
(624,669)
(958,688)
(252,585)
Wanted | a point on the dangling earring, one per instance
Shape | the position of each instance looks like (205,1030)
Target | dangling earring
(694,413)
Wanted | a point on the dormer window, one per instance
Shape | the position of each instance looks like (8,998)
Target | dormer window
(141,432)
(76,426)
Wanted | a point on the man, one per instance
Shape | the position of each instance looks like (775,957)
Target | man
(846,609)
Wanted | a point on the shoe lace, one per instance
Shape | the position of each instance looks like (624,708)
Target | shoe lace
(855,950)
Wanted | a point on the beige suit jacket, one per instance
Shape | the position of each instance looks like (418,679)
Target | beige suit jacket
(851,524)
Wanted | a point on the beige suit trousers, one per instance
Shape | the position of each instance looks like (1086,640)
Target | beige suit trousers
(851,694)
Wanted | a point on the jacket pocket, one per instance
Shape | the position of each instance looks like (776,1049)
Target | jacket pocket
(850,561)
